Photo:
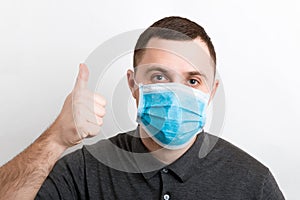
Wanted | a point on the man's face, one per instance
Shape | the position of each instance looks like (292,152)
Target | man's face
(186,62)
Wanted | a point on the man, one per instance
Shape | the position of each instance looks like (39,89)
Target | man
(173,82)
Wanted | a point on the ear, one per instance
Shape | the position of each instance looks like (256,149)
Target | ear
(131,83)
(214,89)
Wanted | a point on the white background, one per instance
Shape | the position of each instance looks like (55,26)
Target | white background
(257,44)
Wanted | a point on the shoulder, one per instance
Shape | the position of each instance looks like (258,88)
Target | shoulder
(235,170)
(237,157)
(112,152)
(125,140)
(79,157)
(248,170)
(233,157)
(231,162)
(121,140)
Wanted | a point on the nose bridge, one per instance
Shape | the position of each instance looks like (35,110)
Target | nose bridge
(178,78)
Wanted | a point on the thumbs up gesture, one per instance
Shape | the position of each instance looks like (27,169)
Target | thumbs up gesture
(82,113)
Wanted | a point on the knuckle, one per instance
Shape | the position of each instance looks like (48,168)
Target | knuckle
(101,112)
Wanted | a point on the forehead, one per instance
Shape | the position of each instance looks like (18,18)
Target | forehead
(180,56)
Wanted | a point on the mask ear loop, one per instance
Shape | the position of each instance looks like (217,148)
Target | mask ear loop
(141,99)
(135,82)
(208,104)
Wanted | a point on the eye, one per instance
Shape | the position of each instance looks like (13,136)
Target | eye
(194,82)
(159,77)
(156,78)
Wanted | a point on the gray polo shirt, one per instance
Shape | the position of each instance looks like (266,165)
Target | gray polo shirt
(122,168)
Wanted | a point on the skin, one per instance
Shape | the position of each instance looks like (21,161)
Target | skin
(81,116)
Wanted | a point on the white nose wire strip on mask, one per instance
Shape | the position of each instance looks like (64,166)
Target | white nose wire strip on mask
(179,87)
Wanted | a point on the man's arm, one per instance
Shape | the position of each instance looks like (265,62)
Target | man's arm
(81,117)
(22,177)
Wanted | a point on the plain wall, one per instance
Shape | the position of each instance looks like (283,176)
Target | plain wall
(257,45)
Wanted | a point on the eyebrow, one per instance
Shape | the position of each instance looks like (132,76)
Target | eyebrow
(193,73)
(156,68)
(163,70)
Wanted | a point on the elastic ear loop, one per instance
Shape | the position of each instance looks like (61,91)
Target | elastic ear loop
(206,109)
(135,82)
(139,85)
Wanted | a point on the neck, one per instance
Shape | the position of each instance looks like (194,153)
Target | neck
(166,156)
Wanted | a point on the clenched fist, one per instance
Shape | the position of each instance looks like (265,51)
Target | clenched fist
(82,113)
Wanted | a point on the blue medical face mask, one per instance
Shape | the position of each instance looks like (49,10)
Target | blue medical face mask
(171,113)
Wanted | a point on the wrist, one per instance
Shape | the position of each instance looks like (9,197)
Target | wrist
(54,134)
(63,134)
(53,137)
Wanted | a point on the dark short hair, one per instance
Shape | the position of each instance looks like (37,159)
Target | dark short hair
(172,28)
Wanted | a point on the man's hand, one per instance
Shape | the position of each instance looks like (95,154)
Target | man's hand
(81,117)
(82,113)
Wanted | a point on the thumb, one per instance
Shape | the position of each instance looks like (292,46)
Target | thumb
(82,77)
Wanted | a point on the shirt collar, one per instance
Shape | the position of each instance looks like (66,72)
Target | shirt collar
(182,168)
(148,165)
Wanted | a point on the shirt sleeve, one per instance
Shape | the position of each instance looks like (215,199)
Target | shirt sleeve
(66,180)
(270,189)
